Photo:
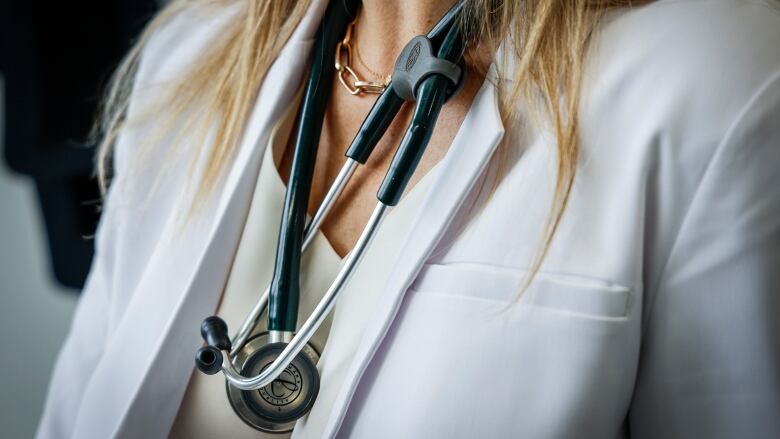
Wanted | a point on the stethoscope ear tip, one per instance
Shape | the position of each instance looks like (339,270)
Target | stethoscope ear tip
(208,359)
(215,333)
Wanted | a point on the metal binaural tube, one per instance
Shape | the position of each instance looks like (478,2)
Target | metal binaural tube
(335,190)
(345,174)
(270,373)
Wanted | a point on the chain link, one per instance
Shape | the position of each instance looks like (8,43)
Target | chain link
(354,84)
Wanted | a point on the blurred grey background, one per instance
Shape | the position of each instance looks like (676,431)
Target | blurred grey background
(35,312)
(55,59)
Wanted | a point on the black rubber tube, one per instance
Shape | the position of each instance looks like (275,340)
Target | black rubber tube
(431,95)
(285,284)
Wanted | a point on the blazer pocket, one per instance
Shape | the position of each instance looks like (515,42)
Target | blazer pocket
(565,293)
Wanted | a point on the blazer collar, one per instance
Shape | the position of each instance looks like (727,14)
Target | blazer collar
(474,144)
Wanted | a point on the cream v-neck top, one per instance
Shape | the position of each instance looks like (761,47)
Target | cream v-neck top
(205,411)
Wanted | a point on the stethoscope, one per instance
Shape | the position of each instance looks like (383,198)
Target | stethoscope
(272,378)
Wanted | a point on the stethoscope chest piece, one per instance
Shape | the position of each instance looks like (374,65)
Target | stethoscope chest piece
(276,407)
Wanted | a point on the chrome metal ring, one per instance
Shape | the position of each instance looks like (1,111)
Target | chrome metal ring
(276,407)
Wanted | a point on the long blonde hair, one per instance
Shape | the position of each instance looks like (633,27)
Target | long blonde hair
(546,41)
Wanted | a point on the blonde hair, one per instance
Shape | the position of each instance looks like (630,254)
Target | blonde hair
(545,42)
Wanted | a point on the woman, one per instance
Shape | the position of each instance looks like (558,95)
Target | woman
(589,247)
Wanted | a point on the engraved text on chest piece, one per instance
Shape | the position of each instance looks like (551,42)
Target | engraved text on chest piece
(285,389)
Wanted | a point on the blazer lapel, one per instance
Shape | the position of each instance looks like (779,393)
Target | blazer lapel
(158,335)
(477,138)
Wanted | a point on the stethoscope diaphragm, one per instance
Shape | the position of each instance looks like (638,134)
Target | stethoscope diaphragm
(275,407)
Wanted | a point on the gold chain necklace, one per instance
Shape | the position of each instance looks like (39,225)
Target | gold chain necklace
(354,84)
(374,73)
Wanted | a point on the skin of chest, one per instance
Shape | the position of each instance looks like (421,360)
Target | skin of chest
(344,115)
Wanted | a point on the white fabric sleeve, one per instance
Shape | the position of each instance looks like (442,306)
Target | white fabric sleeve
(84,344)
(710,355)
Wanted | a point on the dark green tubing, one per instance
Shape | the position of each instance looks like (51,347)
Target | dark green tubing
(285,285)
(431,94)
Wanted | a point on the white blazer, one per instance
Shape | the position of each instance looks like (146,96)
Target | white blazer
(654,314)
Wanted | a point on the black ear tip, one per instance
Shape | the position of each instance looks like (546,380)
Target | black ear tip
(215,332)
(209,360)
(213,324)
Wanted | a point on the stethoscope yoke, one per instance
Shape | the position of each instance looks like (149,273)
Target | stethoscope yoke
(272,377)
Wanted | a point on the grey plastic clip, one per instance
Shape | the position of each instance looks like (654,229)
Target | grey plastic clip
(415,63)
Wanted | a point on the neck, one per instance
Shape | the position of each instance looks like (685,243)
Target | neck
(385,26)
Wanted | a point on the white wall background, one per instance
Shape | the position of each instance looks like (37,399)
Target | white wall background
(34,312)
